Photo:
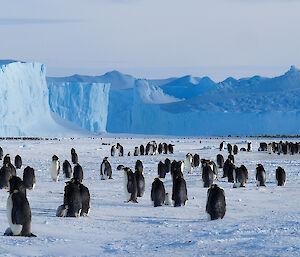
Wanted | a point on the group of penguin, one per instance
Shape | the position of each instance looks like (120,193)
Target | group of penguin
(152,148)
(17,207)
(280,147)
(77,200)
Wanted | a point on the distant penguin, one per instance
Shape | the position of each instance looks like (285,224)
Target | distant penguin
(249,147)
(74,156)
(231,157)
(1,153)
(5,175)
(18,162)
(216,203)
(196,160)
(113,150)
(229,148)
(105,169)
(170,148)
(179,194)
(18,210)
(78,173)
(67,169)
(139,177)
(136,151)
(270,148)
(228,170)
(142,149)
(168,199)
(29,178)
(12,168)
(6,159)
(130,185)
(54,169)
(72,198)
(161,170)
(121,149)
(158,192)
(220,161)
(207,174)
(260,175)
(159,149)
(85,200)
(147,148)
(165,148)
(280,176)
(189,163)
(222,146)
(168,165)
(235,149)
(240,176)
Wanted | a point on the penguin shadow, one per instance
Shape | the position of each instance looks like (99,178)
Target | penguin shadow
(43,212)
(161,221)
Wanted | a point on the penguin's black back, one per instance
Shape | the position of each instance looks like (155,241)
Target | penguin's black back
(72,199)
(261,175)
(216,203)
(220,160)
(28,177)
(85,199)
(67,169)
(132,186)
(168,165)
(4,177)
(179,194)
(196,160)
(161,170)
(280,176)
(158,192)
(18,161)
(140,182)
(74,158)
(1,153)
(207,175)
(78,172)
(142,150)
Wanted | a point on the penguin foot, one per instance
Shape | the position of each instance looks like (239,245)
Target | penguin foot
(30,235)
(8,232)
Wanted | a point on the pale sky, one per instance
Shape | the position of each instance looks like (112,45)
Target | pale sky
(153,38)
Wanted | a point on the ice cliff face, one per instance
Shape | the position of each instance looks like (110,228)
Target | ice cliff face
(24,101)
(84,104)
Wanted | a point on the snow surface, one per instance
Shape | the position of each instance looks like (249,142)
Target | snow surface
(258,222)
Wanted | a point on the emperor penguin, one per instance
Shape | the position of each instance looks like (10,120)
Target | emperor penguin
(67,169)
(161,169)
(74,156)
(78,173)
(160,148)
(54,169)
(179,194)
(260,175)
(18,162)
(207,174)
(270,148)
(121,149)
(222,146)
(158,192)
(196,160)
(240,176)
(139,177)
(142,149)
(29,178)
(18,210)
(136,151)
(165,148)
(189,163)
(1,153)
(249,147)
(170,148)
(216,203)
(85,200)
(72,198)
(113,150)
(5,175)
(168,165)
(105,169)
(280,176)
(229,148)
(235,149)
(6,159)
(220,161)
(130,186)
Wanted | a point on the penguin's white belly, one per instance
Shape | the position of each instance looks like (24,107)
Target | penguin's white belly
(15,228)
(54,171)
(125,182)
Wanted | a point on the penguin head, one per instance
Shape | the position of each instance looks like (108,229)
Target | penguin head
(73,151)
(54,158)
(120,167)
(16,184)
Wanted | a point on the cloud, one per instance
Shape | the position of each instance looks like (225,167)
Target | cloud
(22,21)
